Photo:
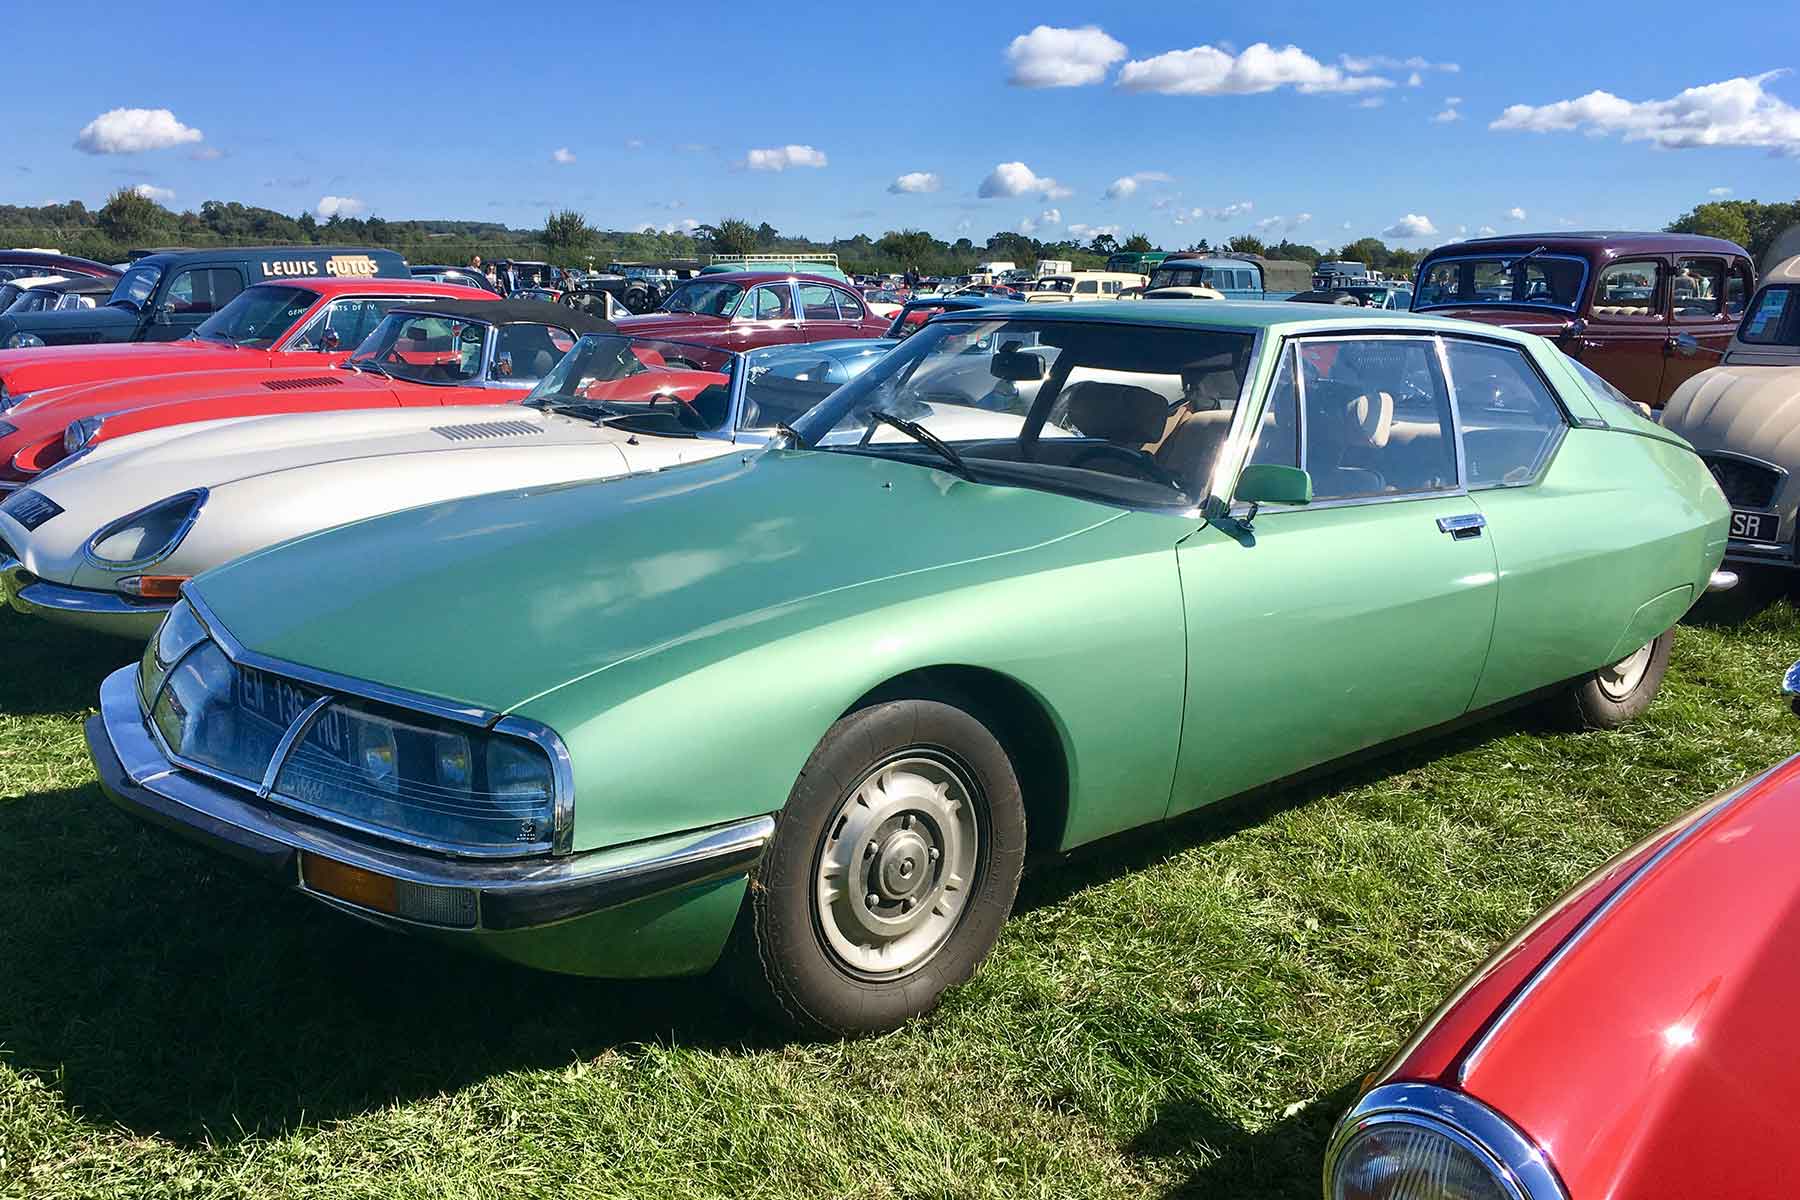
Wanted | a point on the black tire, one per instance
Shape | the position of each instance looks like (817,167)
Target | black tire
(784,954)
(1592,703)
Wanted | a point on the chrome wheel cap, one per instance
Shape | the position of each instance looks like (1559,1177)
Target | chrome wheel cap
(895,867)
(1622,678)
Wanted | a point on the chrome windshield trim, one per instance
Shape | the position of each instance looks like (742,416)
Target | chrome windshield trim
(1519,1164)
(1720,804)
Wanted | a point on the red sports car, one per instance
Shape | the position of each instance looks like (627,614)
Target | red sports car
(739,310)
(298,323)
(424,352)
(1636,1041)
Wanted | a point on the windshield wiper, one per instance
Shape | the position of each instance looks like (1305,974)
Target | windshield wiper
(1520,261)
(926,438)
(369,364)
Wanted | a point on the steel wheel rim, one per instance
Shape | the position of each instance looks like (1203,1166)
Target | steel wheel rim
(898,865)
(1623,677)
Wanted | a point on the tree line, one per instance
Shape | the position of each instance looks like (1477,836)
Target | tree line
(129,221)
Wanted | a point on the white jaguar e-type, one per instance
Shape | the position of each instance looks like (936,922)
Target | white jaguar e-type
(105,541)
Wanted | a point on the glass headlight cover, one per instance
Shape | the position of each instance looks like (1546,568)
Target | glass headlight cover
(396,772)
(179,632)
(147,535)
(23,341)
(1421,1141)
(80,433)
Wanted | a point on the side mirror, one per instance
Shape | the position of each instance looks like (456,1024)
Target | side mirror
(1017,366)
(1687,345)
(1267,483)
(1576,328)
(163,314)
(330,340)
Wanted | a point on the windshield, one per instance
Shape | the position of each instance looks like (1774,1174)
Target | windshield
(32,300)
(706,297)
(135,286)
(257,316)
(686,387)
(1548,279)
(1118,413)
(425,349)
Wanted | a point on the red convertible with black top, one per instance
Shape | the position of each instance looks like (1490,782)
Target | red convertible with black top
(431,352)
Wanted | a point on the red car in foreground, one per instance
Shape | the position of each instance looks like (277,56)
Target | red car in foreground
(422,352)
(294,323)
(1635,1041)
(739,310)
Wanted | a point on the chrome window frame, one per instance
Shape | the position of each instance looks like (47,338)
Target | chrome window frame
(1562,409)
(1581,290)
(752,289)
(334,687)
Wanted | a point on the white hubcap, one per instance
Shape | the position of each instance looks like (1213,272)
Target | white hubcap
(1622,678)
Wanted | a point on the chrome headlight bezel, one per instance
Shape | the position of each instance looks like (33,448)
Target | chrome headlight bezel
(79,433)
(1518,1168)
(188,504)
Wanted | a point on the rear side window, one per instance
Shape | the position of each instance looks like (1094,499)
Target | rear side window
(1510,419)
(817,302)
(527,352)
(850,308)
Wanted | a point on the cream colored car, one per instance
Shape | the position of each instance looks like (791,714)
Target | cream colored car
(1743,416)
(1079,286)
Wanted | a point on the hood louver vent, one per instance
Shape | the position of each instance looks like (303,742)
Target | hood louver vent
(294,385)
(489,429)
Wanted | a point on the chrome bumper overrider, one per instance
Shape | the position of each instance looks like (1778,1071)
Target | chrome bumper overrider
(1722,581)
(87,608)
(511,895)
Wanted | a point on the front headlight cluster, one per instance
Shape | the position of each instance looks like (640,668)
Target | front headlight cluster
(23,341)
(372,766)
(80,433)
(1423,1142)
(147,535)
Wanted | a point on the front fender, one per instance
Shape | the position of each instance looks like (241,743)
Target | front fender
(716,725)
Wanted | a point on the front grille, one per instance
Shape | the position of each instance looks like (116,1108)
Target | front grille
(464,433)
(30,509)
(1746,485)
(294,385)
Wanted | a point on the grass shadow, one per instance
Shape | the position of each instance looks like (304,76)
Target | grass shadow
(173,995)
(52,671)
(1284,1159)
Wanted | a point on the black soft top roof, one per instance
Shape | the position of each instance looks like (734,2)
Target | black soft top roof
(511,312)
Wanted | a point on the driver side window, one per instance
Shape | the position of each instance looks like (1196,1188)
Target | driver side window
(1376,418)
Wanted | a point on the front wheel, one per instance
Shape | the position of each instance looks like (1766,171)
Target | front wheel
(1617,694)
(892,869)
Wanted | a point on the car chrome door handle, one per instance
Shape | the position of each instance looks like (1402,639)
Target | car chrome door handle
(1467,525)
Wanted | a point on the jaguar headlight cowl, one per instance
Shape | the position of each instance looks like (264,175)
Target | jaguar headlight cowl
(80,433)
(146,536)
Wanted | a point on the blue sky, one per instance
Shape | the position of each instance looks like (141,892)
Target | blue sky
(454,110)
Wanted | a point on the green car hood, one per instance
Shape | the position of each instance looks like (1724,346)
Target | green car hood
(497,599)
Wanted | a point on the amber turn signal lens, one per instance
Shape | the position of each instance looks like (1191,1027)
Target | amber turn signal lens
(153,587)
(351,884)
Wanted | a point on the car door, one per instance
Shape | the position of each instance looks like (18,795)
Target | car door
(191,295)
(1699,306)
(1625,341)
(765,317)
(1318,630)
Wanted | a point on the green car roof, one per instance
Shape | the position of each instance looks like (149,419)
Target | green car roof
(1279,315)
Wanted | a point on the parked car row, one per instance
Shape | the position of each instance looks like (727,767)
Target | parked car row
(763,700)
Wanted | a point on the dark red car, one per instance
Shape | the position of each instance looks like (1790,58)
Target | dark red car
(1636,1041)
(1618,302)
(739,310)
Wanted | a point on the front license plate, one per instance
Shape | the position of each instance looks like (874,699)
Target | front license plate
(1753,526)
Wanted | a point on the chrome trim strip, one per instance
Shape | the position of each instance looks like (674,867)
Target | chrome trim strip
(1519,1165)
(1472,1057)
(285,746)
(1442,353)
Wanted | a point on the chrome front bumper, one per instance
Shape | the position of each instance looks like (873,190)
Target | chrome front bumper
(507,895)
(82,608)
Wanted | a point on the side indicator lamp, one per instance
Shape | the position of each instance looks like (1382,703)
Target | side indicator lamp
(153,587)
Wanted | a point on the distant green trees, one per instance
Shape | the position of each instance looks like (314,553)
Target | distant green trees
(1750,223)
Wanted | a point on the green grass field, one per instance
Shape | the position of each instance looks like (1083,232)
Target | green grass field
(1184,1014)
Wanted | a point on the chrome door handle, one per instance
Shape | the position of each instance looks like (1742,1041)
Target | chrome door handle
(1467,525)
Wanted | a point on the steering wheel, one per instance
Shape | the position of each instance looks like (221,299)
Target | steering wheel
(1142,464)
(685,405)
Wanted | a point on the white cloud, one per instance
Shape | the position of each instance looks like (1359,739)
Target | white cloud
(1412,225)
(1126,185)
(562,156)
(1461,230)
(1089,232)
(1415,80)
(1371,102)
(1189,216)
(1299,220)
(206,154)
(1448,115)
(1453,101)
(130,130)
(685,225)
(1017,179)
(1362,64)
(1232,210)
(1052,57)
(1736,112)
(150,191)
(915,181)
(1282,225)
(1515,213)
(1346,224)
(1486,231)
(1210,71)
(339,206)
(964,225)
(634,143)
(1047,219)
(780,158)
(1719,192)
